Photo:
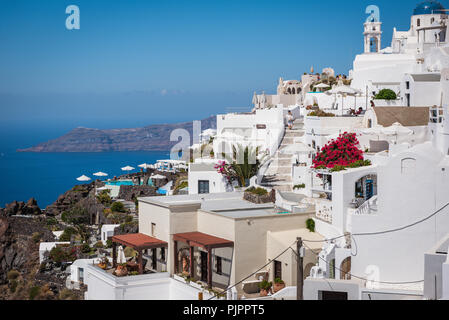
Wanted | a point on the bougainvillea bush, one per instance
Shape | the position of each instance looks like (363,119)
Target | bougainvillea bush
(340,153)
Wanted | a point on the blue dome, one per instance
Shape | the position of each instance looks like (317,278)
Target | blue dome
(428,7)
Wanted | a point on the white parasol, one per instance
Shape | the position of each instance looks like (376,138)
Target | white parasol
(83,178)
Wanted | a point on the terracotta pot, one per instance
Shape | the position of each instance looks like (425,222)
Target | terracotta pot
(263,292)
(121,271)
(278,287)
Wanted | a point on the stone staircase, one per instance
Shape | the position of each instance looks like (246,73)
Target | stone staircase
(279,173)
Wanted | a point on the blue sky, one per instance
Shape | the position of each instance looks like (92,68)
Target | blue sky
(138,62)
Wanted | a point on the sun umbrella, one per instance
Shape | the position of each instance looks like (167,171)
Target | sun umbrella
(100,174)
(127,168)
(121,255)
(396,129)
(145,166)
(83,178)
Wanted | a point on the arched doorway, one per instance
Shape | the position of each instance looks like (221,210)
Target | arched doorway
(307,270)
(345,269)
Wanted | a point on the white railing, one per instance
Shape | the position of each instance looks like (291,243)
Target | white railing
(368,207)
(323,210)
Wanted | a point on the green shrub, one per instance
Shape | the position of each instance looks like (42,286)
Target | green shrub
(118,207)
(104,197)
(130,252)
(85,248)
(279,281)
(67,294)
(386,94)
(67,234)
(128,219)
(109,243)
(52,221)
(300,186)
(36,237)
(259,191)
(265,285)
(34,292)
(76,215)
(310,225)
(13,275)
(99,244)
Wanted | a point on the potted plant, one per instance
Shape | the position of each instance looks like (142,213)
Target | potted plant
(265,288)
(121,270)
(279,284)
(104,263)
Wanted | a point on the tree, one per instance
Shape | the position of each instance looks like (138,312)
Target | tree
(118,207)
(386,94)
(241,166)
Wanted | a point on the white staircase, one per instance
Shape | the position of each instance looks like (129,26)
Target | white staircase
(279,174)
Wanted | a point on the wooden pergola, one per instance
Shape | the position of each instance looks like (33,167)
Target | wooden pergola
(138,242)
(202,240)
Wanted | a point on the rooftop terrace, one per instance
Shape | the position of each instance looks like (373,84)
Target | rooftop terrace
(229,204)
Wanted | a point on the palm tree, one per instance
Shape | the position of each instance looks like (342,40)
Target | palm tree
(243,163)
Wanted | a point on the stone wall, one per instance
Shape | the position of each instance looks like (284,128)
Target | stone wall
(129,193)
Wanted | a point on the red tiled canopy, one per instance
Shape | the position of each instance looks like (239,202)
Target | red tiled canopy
(139,241)
(199,239)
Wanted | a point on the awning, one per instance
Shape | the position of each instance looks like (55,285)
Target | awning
(199,239)
(139,241)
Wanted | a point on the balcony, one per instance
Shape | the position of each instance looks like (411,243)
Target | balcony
(368,207)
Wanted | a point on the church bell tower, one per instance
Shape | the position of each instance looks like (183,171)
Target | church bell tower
(373,36)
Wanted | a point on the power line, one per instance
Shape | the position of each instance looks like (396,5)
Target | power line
(335,238)
(386,231)
(236,284)
(361,278)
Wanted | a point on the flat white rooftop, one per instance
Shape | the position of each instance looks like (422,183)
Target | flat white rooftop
(228,204)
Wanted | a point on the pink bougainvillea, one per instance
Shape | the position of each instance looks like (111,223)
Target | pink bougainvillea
(340,152)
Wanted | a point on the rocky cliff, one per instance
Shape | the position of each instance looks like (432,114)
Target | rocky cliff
(150,138)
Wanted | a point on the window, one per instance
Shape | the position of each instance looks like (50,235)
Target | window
(418,22)
(407,85)
(219,265)
(153,229)
(408,166)
(370,123)
(203,186)
(432,20)
(332,269)
(277,269)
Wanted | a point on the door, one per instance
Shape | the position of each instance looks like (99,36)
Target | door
(203,186)
(203,266)
(154,259)
(277,269)
(81,275)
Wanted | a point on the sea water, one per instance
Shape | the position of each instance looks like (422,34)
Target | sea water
(45,176)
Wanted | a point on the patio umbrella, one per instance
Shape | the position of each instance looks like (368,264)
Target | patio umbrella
(127,168)
(100,174)
(322,86)
(396,129)
(83,178)
(121,255)
(145,166)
